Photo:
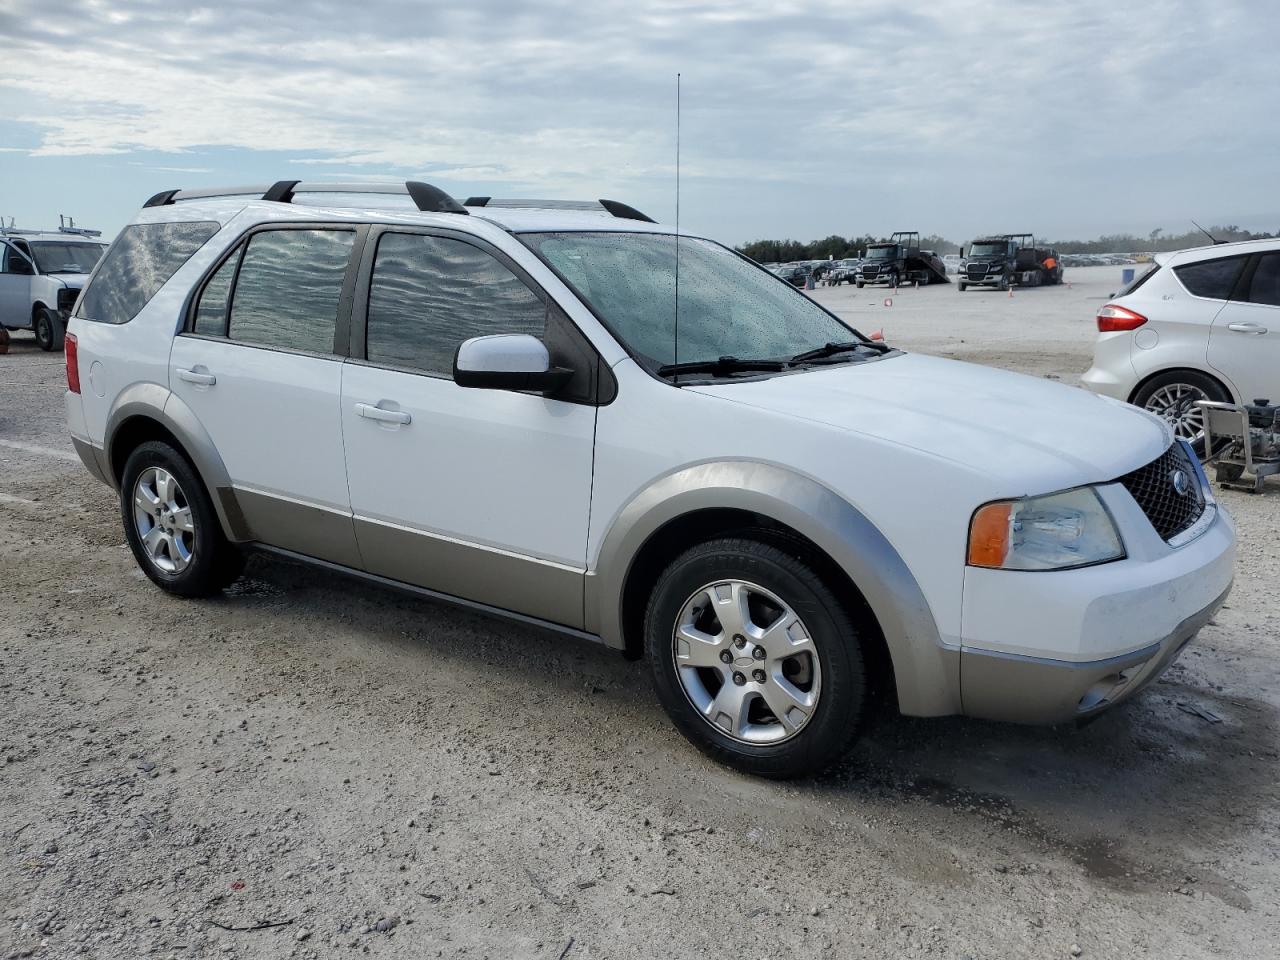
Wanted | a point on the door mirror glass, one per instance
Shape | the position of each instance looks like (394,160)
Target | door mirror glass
(507,361)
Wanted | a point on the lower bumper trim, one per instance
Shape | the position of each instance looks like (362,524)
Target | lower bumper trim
(1022,689)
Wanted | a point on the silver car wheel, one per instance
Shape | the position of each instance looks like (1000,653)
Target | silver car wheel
(746,662)
(1176,403)
(163,519)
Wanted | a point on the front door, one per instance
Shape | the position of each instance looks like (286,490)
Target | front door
(15,287)
(1244,344)
(257,366)
(478,494)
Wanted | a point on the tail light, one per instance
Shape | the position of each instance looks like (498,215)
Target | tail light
(73,363)
(1112,319)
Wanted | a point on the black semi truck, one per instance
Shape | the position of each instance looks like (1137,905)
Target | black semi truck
(901,260)
(1009,259)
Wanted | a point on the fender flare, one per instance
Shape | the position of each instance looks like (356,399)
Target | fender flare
(156,402)
(926,670)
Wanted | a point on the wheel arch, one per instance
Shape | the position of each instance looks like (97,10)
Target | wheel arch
(148,411)
(712,499)
(1213,375)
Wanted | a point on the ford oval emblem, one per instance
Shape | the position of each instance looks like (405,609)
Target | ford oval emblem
(1181,482)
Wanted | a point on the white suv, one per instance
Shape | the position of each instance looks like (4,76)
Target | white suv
(514,406)
(1201,324)
(41,273)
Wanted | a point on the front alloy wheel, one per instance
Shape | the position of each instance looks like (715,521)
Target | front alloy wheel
(757,661)
(746,662)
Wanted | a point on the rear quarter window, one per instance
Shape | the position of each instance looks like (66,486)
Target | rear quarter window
(138,264)
(1212,279)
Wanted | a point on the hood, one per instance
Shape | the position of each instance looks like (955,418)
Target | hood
(1033,435)
(73,280)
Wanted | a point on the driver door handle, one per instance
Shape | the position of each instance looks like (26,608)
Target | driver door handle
(371,412)
(1247,327)
(194,376)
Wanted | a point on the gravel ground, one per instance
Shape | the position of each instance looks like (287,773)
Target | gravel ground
(345,770)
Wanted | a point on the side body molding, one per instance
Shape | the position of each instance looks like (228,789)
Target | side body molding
(156,402)
(927,672)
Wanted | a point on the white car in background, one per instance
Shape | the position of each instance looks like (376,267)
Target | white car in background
(1201,324)
(41,273)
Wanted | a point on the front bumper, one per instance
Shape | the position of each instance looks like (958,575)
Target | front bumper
(1053,646)
(1004,686)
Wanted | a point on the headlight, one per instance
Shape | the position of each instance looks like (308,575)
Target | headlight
(1057,532)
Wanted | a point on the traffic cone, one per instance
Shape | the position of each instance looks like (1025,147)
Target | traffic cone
(1010,291)
(878,335)
(888,301)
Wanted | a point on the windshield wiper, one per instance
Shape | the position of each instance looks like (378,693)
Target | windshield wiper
(722,366)
(831,349)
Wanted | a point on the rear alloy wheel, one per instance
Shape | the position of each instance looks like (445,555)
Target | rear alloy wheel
(171,526)
(1173,396)
(49,329)
(755,660)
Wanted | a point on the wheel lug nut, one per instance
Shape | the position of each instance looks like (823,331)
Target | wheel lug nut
(726,656)
(738,678)
(758,676)
(739,641)
(758,653)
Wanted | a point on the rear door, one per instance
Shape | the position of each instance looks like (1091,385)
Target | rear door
(1244,344)
(259,366)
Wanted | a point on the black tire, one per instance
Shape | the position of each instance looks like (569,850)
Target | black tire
(1004,282)
(49,329)
(963,286)
(1193,379)
(861,284)
(840,710)
(214,562)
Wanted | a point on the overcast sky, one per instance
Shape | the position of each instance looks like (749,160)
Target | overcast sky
(800,119)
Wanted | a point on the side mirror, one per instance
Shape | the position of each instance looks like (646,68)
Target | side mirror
(507,361)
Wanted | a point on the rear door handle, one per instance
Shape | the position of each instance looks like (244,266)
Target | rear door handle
(194,376)
(1247,327)
(371,412)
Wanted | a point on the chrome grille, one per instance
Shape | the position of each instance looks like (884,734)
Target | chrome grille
(976,271)
(1153,487)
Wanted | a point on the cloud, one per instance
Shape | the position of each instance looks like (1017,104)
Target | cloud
(569,96)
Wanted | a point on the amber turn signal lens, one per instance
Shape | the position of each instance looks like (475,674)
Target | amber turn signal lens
(989,535)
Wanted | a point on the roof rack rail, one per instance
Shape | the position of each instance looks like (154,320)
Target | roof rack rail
(425,197)
(68,225)
(613,207)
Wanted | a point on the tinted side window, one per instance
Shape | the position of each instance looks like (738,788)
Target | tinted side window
(1265,286)
(1210,278)
(428,294)
(137,265)
(288,289)
(211,312)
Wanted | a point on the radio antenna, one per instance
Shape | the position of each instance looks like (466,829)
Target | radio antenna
(1215,240)
(675,329)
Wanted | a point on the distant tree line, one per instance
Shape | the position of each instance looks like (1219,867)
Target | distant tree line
(840,248)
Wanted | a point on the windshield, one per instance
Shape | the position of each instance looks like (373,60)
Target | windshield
(728,307)
(989,249)
(882,253)
(59,256)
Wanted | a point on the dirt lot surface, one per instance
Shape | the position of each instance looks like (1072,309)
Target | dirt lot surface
(367,773)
